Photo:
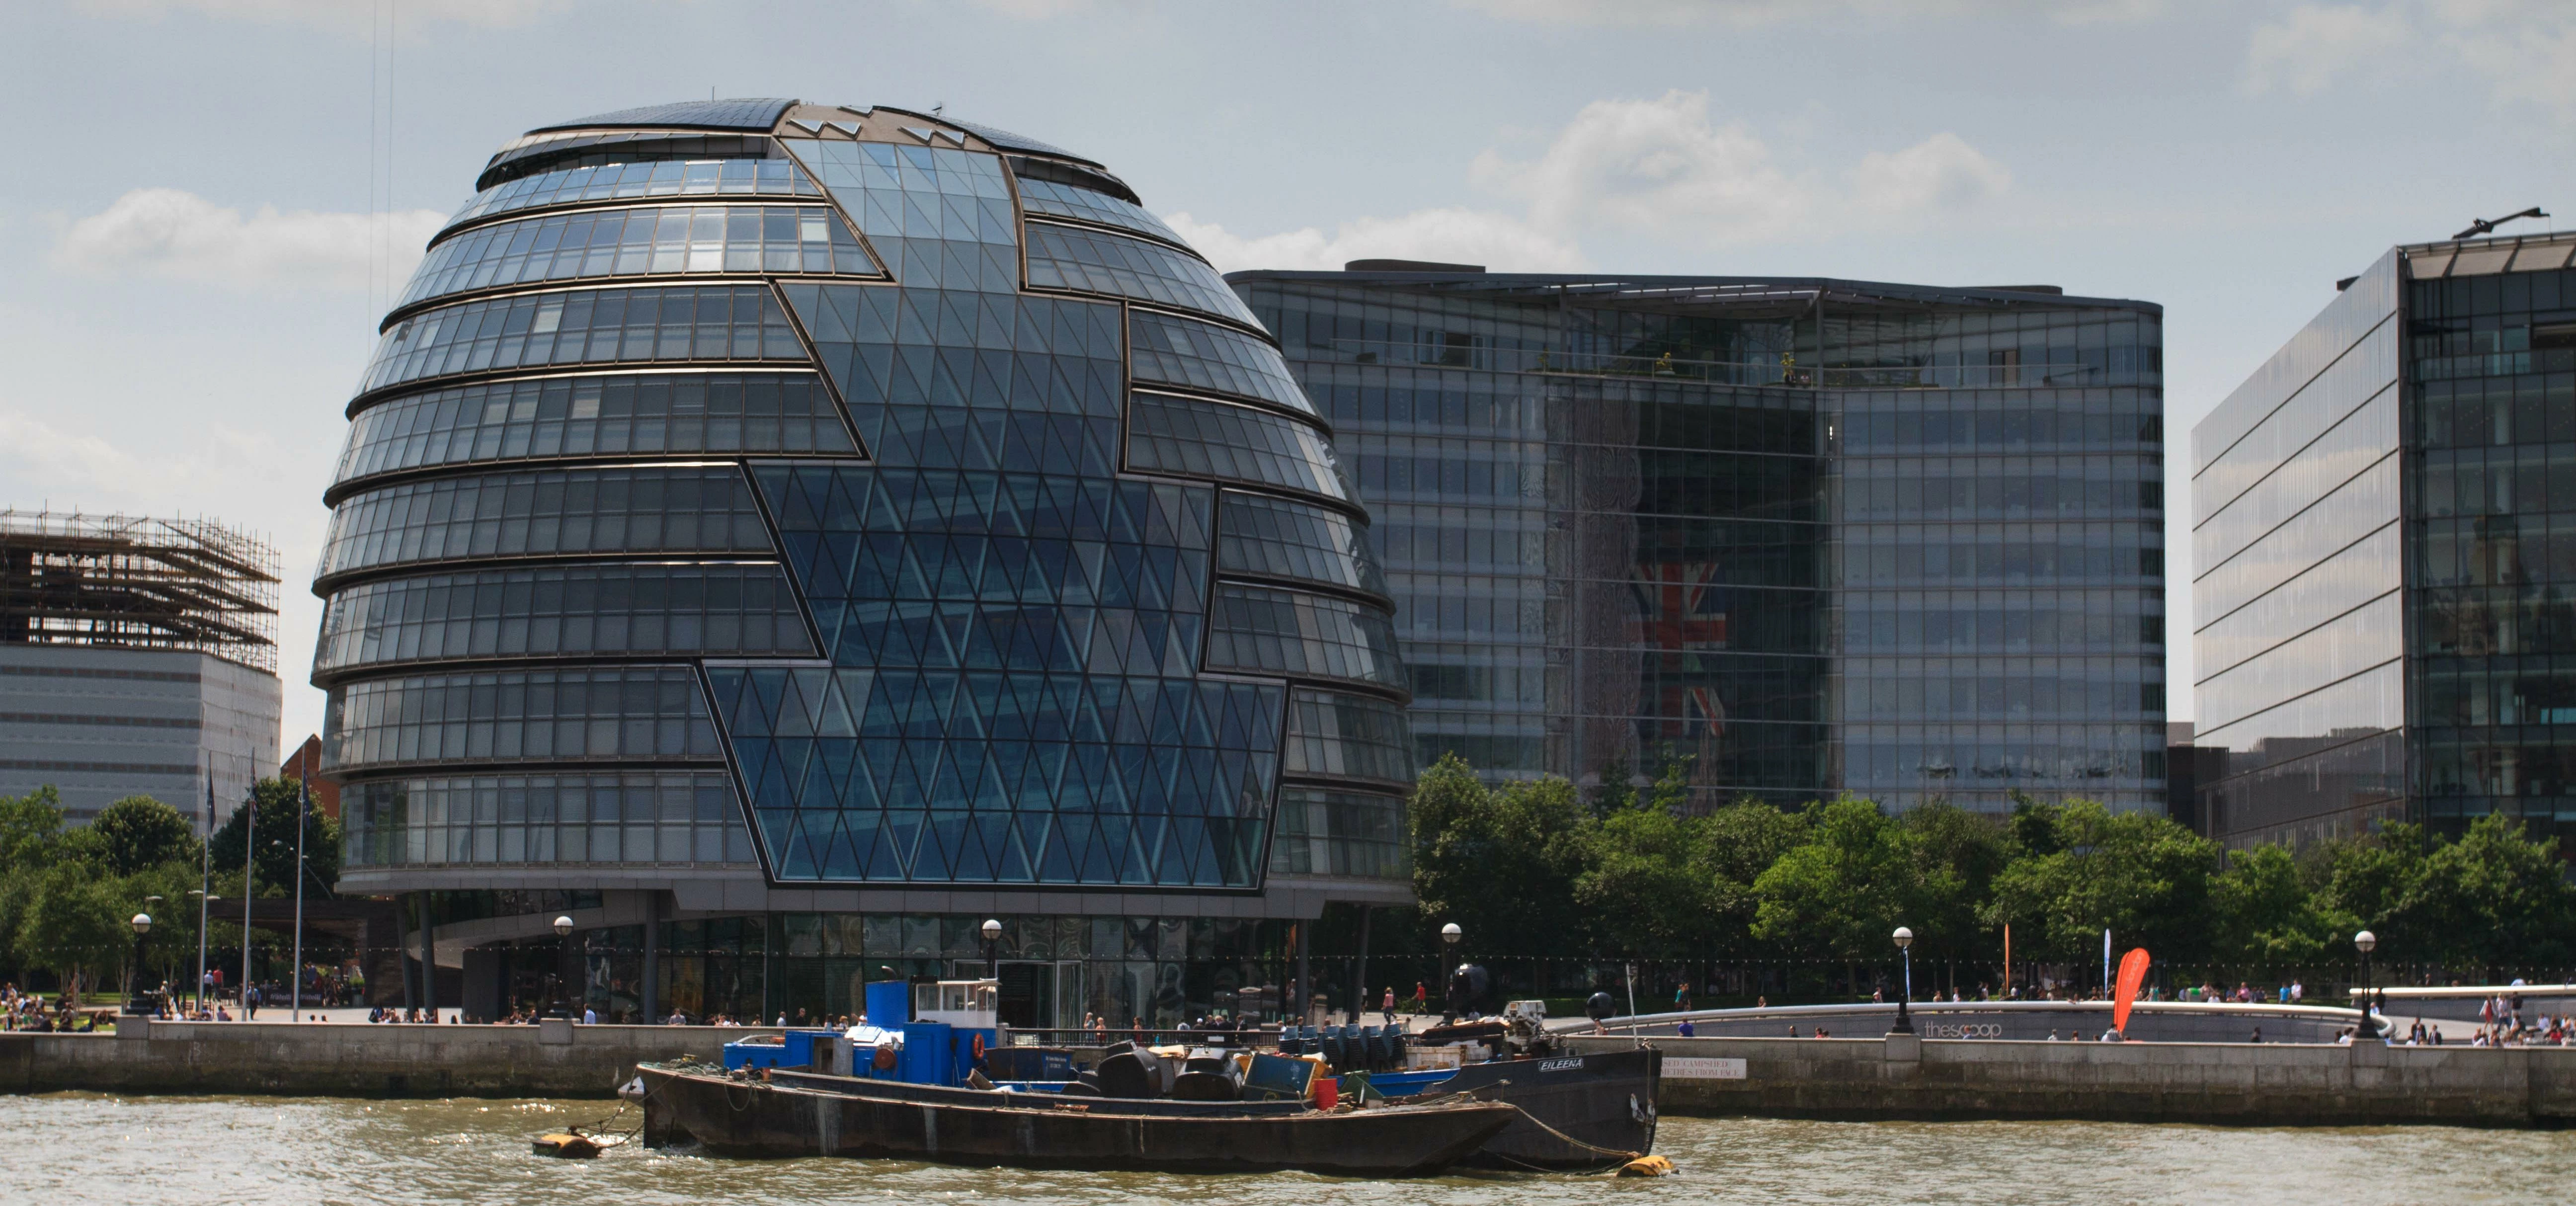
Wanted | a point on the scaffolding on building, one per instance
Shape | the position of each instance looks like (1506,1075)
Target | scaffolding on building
(131,582)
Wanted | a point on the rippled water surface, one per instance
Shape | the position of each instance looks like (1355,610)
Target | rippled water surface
(82,1148)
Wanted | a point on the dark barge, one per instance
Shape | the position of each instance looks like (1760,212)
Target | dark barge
(806,1115)
(1579,1111)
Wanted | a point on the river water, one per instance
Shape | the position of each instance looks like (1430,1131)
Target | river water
(83,1148)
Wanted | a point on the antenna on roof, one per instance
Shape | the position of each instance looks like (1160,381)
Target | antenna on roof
(2484,225)
(935,110)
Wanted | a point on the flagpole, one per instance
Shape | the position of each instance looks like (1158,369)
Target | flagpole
(205,884)
(250,856)
(303,810)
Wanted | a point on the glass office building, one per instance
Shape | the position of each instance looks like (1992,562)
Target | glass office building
(793,533)
(1814,535)
(2383,628)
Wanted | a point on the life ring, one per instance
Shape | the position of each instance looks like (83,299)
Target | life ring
(975,1047)
(885,1056)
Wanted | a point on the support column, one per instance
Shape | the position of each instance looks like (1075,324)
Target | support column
(651,992)
(1305,986)
(1359,991)
(428,957)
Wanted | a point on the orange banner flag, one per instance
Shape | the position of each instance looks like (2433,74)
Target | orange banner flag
(2133,972)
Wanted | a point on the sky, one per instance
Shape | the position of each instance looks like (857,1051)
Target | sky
(215,199)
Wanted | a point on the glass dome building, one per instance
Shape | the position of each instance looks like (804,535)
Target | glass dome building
(786,534)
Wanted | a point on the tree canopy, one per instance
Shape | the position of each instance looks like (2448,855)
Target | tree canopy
(1533,867)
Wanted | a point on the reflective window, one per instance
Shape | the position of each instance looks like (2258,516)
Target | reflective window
(589,326)
(1294,633)
(619,181)
(1233,443)
(1348,737)
(939,218)
(630,713)
(1073,201)
(982,570)
(1205,356)
(1341,833)
(710,609)
(637,242)
(987,777)
(1273,537)
(532,514)
(667,818)
(617,415)
(1093,261)
(967,380)
(2332,650)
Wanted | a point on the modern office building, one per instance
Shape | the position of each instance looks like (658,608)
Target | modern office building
(787,535)
(1817,535)
(2384,540)
(138,657)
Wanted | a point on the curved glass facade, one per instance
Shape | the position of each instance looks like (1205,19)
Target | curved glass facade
(857,556)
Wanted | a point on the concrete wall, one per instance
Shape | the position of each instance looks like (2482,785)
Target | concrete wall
(2271,1084)
(360,1060)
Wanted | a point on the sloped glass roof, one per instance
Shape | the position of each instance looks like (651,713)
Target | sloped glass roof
(757,113)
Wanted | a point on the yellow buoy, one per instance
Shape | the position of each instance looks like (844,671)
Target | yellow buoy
(566,1146)
(1647,1166)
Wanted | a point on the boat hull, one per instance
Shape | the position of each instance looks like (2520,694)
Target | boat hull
(749,1118)
(1604,1102)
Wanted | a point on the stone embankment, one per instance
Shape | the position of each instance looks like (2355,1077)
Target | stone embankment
(2266,1084)
(550,1059)
(1899,1076)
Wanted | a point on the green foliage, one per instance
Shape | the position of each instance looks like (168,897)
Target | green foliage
(1841,893)
(275,806)
(1501,862)
(2080,869)
(1532,868)
(138,833)
(29,827)
(2265,908)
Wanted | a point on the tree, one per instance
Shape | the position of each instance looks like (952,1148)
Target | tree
(75,923)
(1842,892)
(1501,863)
(139,832)
(2494,896)
(1971,848)
(276,800)
(2266,909)
(1730,849)
(2079,868)
(29,826)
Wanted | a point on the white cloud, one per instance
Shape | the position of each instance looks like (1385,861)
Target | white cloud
(173,233)
(2306,50)
(1662,167)
(50,457)
(2525,50)
(1939,173)
(339,15)
(1467,236)
(1666,166)
(1671,13)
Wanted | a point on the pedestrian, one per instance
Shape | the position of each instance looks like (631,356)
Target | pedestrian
(1682,998)
(1421,998)
(250,1002)
(1386,1008)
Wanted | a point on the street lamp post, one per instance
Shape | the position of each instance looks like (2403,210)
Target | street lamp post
(2366,942)
(992,930)
(1905,992)
(1450,935)
(142,924)
(203,900)
(563,933)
